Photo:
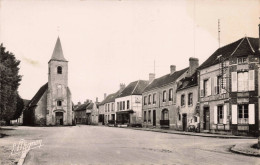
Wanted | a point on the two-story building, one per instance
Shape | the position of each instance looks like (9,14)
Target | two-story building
(187,102)
(108,106)
(229,89)
(159,98)
(128,104)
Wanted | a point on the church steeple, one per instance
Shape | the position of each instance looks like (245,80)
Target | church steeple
(57,52)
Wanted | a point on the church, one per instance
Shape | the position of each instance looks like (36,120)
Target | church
(52,104)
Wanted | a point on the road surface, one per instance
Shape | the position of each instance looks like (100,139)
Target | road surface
(108,145)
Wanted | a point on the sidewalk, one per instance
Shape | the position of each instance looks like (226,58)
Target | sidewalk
(246,149)
(211,135)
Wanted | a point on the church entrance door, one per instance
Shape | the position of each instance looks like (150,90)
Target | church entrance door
(59,118)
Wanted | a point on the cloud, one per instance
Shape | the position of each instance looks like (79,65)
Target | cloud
(31,62)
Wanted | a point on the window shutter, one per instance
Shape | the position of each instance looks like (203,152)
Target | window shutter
(215,84)
(234,114)
(251,80)
(225,115)
(234,81)
(251,114)
(209,87)
(215,115)
(201,88)
(224,87)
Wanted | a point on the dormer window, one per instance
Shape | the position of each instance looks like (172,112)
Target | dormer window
(241,60)
(59,70)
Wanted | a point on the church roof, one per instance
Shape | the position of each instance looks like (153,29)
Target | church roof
(57,52)
(38,95)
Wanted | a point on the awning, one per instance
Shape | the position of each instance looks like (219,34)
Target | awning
(124,112)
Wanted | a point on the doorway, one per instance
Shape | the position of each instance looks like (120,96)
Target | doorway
(206,118)
(59,118)
(154,117)
(184,122)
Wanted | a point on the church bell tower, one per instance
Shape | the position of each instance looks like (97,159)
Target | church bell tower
(58,96)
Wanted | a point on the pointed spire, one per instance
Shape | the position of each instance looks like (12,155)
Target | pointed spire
(57,52)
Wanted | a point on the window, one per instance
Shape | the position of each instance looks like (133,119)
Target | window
(243,113)
(190,101)
(149,116)
(182,100)
(128,104)
(165,114)
(164,96)
(59,70)
(118,106)
(112,107)
(205,86)
(108,107)
(154,98)
(242,60)
(59,103)
(170,94)
(219,82)
(179,116)
(220,114)
(145,100)
(242,81)
(144,116)
(149,99)
(123,105)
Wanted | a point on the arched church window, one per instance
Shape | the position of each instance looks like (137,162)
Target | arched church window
(59,70)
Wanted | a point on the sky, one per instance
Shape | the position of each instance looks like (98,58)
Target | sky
(108,42)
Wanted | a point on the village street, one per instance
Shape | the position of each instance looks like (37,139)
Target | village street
(108,145)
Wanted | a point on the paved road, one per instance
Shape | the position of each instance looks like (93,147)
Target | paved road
(108,145)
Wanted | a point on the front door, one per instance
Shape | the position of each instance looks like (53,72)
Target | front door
(154,118)
(184,121)
(59,118)
(206,118)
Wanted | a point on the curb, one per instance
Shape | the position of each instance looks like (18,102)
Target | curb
(245,151)
(22,158)
(201,135)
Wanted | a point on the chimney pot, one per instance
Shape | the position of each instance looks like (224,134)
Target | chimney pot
(96,99)
(173,68)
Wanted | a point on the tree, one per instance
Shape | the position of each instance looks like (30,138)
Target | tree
(9,83)
(19,107)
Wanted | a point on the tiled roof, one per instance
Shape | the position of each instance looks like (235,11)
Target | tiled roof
(110,98)
(57,52)
(241,47)
(134,88)
(90,106)
(188,81)
(38,95)
(82,107)
(164,80)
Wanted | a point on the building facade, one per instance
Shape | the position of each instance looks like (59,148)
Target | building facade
(52,104)
(128,104)
(159,98)
(187,103)
(229,89)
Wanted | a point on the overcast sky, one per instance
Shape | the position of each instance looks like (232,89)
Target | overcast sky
(112,42)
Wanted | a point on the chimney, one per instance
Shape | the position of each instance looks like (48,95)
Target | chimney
(79,103)
(122,86)
(96,99)
(151,77)
(194,64)
(173,69)
(105,96)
